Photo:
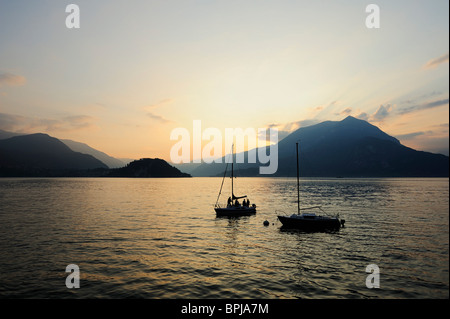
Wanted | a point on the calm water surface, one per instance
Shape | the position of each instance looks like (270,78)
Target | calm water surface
(160,238)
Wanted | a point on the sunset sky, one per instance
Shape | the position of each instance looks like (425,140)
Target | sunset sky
(135,70)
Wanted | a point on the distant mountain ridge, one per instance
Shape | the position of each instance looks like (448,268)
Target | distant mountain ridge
(5,134)
(351,148)
(34,153)
(110,161)
(40,155)
(348,130)
(347,148)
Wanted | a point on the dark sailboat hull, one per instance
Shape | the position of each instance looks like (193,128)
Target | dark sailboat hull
(235,211)
(310,224)
(233,208)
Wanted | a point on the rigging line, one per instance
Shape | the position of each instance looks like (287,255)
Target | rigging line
(223,179)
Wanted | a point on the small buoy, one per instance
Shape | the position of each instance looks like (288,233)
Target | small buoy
(266,223)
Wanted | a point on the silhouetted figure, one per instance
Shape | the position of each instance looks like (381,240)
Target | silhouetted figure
(229,202)
(236,203)
(248,202)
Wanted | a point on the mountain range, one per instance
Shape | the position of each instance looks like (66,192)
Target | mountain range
(110,161)
(347,148)
(39,154)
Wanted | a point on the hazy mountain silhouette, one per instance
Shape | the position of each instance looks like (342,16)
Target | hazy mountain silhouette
(187,167)
(147,167)
(5,134)
(346,131)
(42,155)
(351,147)
(125,160)
(347,148)
(111,162)
(36,154)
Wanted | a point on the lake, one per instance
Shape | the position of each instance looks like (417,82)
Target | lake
(160,238)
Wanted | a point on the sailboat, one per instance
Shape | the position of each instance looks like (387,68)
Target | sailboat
(309,221)
(234,207)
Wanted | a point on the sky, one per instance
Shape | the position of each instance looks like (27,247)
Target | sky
(136,70)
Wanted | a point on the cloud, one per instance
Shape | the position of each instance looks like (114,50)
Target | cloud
(23,124)
(437,145)
(305,123)
(68,123)
(158,104)
(158,118)
(319,108)
(10,122)
(274,125)
(287,128)
(437,61)
(424,106)
(363,116)
(429,141)
(323,108)
(434,140)
(9,79)
(282,132)
(382,112)
(415,100)
(77,122)
(409,136)
(345,112)
(292,126)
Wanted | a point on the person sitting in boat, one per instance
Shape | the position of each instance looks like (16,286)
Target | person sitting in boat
(236,203)
(229,202)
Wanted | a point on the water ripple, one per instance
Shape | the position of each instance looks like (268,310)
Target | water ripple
(149,238)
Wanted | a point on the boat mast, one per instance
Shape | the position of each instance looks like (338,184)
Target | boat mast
(298,183)
(232,160)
